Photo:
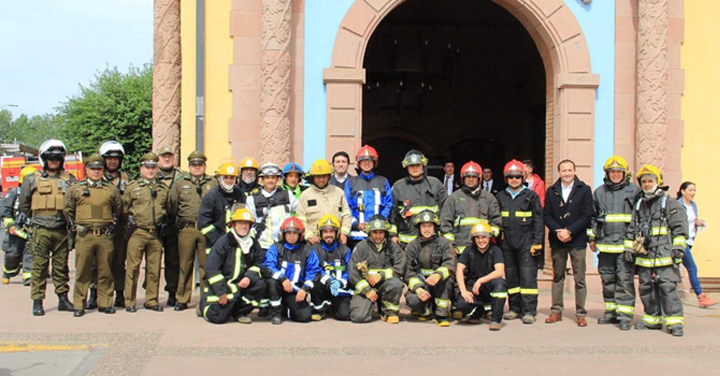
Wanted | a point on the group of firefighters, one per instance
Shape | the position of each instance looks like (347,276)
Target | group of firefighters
(345,246)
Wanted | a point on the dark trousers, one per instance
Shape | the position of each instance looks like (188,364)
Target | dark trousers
(242,304)
(659,295)
(389,291)
(618,284)
(492,293)
(521,277)
(283,301)
(577,259)
(172,258)
(438,304)
(322,301)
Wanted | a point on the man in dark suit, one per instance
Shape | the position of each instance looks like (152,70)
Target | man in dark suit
(449,178)
(568,209)
(489,184)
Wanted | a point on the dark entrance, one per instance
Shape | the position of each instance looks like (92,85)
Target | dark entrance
(459,80)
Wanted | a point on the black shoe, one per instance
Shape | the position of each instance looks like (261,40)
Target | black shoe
(27,282)
(92,300)
(180,306)
(119,299)
(264,312)
(38,308)
(79,313)
(677,331)
(131,309)
(156,308)
(607,321)
(276,320)
(108,310)
(624,325)
(64,304)
(171,299)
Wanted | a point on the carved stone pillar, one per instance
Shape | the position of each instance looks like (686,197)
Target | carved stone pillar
(652,77)
(275,81)
(166,76)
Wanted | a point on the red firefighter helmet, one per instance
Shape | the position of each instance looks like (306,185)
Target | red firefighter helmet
(293,224)
(470,169)
(367,152)
(514,167)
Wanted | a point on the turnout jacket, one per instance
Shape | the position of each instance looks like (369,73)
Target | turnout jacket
(227,264)
(465,208)
(315,202)
(522,220)
(426,257)
(410,197)
(389,261)
(8,213)
(298,263)
(215,211)
(334,260)
(664,224)
(573,215)
(367,195)
(613,206)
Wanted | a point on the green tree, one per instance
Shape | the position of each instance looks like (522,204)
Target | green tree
(31,131)
(115,106)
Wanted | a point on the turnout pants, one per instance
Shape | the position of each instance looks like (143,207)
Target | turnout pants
(577,259)
(439,303)
(658,292)
(618,286)
(285,302)
(492,296)
(521,277)
(191,243)
(322,301)
(46,244)
(93,250)
(172,258)
(389,291)
(142,243)
(242,303)
(15,255)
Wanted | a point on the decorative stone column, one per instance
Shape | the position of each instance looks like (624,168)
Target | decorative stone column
(652,79)
(275,81)
(166,76)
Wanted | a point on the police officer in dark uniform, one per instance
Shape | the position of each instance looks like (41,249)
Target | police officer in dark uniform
(92,206)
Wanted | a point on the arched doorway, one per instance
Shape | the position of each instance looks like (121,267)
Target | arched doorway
(569,84)
(465,77)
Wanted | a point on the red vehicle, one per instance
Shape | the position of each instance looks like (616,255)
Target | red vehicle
(10,167)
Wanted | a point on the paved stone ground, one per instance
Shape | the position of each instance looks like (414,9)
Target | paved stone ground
(179,343)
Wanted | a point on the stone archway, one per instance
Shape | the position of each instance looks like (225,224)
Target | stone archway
(570,109)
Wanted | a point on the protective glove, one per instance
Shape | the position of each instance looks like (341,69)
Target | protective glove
(677,254)
(629,256)
(535,249)
(334,287)
(376,278)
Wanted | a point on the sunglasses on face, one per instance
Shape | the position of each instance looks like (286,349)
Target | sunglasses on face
(514,177)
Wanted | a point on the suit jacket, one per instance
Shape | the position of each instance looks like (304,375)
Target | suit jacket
(456,184)
(574,215)
(496,186)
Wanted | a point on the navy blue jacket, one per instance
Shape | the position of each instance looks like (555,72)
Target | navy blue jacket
(574,215)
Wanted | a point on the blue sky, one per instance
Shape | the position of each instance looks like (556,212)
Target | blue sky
(49,47)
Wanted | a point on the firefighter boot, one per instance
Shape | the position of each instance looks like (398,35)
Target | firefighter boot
(5,279)
(703,301)
(64,304)
(38,308)
(119,299)
(676,331)
(92,300)
(624,325)
(276,315)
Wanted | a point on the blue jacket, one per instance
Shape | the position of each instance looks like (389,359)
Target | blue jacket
(297,262)
(367,195)
(334,260)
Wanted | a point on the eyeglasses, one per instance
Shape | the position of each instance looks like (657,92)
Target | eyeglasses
(514,177)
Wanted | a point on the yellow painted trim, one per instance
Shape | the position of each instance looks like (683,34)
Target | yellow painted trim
(11,347)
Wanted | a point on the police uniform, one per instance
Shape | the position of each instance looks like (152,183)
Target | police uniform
(184,205)
(144,206)
(92,207)
(170,177)
(120,181)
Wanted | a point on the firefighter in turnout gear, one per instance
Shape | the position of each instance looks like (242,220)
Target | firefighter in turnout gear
(320,199)
(16,225)
(184,204)
(144,205)
(413,194)
(248,176)
(93,205)
(524,233)
(293,266)
(480,278)
(467,207)
(271,206)
(169,175)
(656,241)
(293,179)
(376,266)
(331,291)
(41,199)
(430,266)
(235,280)
(113,153)
(367,195)
(217,205)
(613,203)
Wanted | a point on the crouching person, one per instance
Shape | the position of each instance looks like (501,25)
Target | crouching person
(331,292)
(479,276)
(376,266)
(293,266)
(234,273)
(431,261)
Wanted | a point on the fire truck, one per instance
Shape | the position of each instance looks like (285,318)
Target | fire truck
(16,156)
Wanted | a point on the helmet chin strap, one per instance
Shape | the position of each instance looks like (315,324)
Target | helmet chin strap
(226,187)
